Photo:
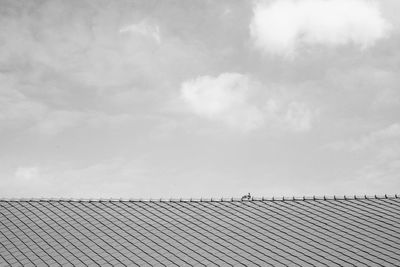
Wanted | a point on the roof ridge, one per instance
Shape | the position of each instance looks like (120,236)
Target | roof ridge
(232,199)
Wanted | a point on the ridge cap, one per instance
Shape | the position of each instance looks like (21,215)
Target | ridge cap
(212,199)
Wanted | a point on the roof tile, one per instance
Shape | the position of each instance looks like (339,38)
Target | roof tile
(322,231)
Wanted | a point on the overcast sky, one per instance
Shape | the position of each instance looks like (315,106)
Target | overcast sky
(172,98)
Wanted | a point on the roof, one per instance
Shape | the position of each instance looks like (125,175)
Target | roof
(332,231)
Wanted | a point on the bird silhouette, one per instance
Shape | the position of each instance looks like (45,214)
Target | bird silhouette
(248,197)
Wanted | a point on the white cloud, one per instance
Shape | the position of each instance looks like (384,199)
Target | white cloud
(210,96)
(376,138)
(282,27)
(240,102)
(143,28)
(223,98)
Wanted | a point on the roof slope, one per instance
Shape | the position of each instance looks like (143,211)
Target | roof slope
(307,231)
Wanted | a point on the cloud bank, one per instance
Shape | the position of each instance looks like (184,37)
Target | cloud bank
(283,27)
(239,101)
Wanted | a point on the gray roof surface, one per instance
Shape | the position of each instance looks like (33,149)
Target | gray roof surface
(356,231)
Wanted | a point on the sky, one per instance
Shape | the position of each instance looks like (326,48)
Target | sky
(174,98)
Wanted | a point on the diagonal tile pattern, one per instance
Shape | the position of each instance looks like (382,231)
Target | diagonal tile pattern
(317,231)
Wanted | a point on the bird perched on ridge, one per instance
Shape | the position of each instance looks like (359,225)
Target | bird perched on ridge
(248,197)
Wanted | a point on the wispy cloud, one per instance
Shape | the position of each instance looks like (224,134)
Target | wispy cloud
(23,113)
(60,179)
(17,110)
(26,174)
(241,102)
(285,27)
(379,153)
(57,121)
(370,140)
(143,28)
(299,117)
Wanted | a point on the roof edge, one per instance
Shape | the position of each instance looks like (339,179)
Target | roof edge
(232,199)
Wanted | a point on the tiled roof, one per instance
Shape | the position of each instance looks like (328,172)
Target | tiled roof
(317,231)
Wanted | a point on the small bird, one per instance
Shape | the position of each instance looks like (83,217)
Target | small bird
(248,197)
